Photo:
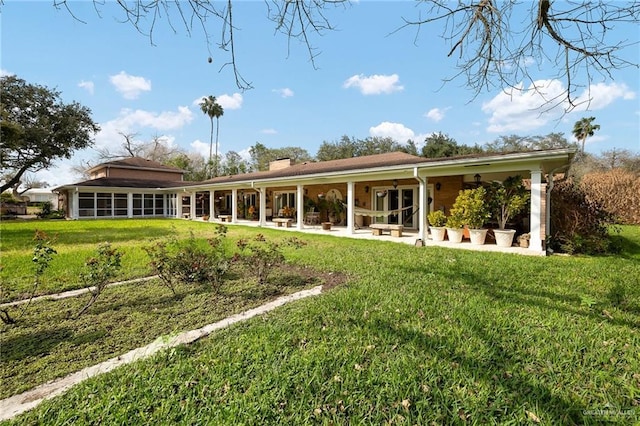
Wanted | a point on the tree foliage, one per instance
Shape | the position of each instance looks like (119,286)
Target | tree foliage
(439,145)
(347,147)
(38,128)
(584,128)
(212,109)
(261,156)
(516,143)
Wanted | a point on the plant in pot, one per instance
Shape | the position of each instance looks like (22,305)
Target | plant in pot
(506,199)
(437,221)
(454,226)
(474,212)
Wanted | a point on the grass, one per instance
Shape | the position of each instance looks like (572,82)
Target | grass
(419,336)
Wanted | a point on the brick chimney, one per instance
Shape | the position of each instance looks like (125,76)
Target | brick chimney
(280,163)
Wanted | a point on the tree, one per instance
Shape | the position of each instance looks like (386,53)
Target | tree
(350,147)
(234,164)
(516,143)
(261,156)
(583,129)
(38,128)
(494,42)
(438,145)
(212,108)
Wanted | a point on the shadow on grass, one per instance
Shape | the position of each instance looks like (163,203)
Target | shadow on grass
(513,388)
(534,297)
(34,344)
(630,249)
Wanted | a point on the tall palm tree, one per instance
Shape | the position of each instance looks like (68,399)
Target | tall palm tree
(212,108)
(584,128)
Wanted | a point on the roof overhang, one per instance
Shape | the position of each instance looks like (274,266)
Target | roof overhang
(544,161)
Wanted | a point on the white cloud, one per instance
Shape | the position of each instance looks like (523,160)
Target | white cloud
(87,85)
(269,131)
(5,73)
(436,114)
(132,121)
(519,110)
(130,86)
(284,92)
(200,147)
(601,95)
(396,131)
(523,110)
(374,84)
(230,101)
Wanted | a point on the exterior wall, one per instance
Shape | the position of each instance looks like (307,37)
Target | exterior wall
(450,186)
(115,172)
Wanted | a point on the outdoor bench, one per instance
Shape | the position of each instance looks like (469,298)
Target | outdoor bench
(225,217)
(280,221)
(378,228)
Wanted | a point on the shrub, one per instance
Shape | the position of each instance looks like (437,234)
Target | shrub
(437,218)
(507,199)
(470,205)
(190,262)
(617,191)
(100,270)
(261,257)
(578,224)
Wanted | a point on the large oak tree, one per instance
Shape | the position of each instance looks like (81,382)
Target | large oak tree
(38,128)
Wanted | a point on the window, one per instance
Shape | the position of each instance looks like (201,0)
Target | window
(86,204)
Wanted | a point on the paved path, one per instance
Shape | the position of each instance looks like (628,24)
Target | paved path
(18,404)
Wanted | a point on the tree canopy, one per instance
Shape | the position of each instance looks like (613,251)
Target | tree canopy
(38,128)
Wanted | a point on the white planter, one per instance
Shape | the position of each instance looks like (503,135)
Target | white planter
(455,234)
(437,233)
(478,236)
(504,237)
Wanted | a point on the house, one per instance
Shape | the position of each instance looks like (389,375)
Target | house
(391,188)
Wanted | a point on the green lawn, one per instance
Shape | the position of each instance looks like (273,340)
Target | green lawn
(417,336)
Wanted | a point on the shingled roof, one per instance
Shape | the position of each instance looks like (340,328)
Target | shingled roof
(311,167)
(106,182)
(137,163)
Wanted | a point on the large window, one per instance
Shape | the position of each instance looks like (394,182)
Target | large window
(87,204)
(284,199)
(148,204)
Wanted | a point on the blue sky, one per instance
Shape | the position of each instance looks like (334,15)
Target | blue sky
(369,81)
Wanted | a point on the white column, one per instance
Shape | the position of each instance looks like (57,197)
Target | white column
(535,219)
(129,205)
(351,217)
(423,205)
(234,205)
(75,204)
(263,206)
(192,205)
(299,206)
(212,205)
(178,205)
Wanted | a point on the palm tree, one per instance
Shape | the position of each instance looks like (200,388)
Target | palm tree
(212,108)
(584,128)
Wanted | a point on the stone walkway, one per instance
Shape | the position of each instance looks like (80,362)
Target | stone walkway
(18,404)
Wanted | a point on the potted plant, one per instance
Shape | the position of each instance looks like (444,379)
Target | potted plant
(437,221)
(454,226)
(506,199)
(474,211)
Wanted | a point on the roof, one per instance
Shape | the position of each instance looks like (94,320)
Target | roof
(311,167)
(106,182)
(136,163)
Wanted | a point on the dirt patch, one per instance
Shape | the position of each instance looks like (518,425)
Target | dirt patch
(328,280)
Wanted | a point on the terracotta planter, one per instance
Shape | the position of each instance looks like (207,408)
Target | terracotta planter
(504,237)
(478,236)
(455,234)
(437,233)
